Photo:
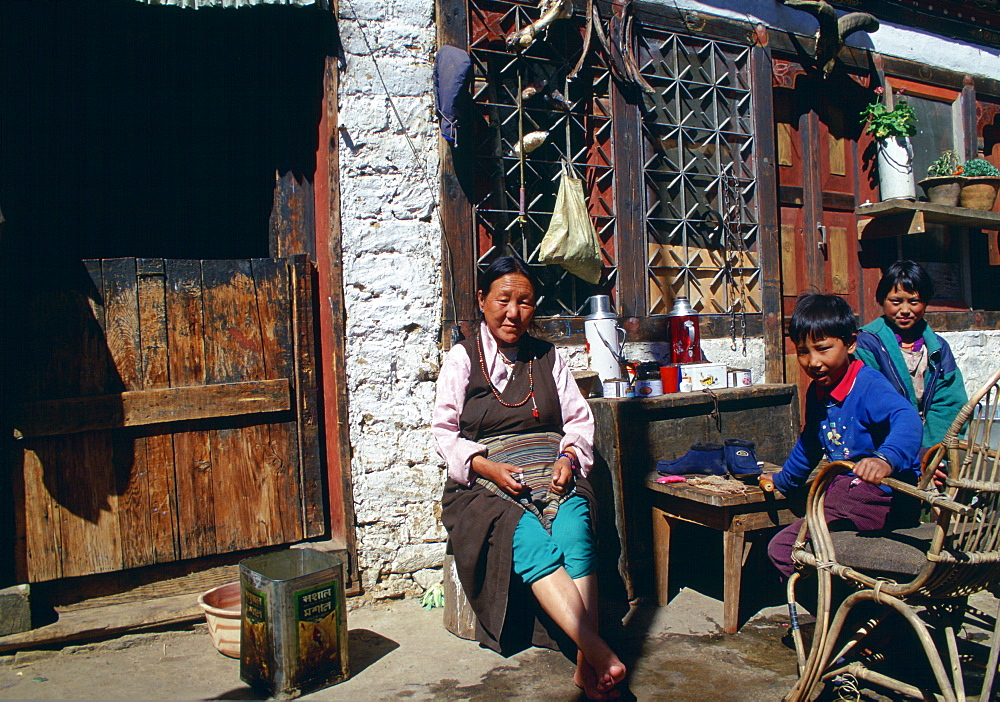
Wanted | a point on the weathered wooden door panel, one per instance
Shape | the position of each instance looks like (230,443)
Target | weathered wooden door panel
(819,144)
(192,451)
(166,415)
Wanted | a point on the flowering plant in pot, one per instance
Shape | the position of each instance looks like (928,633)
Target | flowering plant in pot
(892,129)
(979,189)
(944,179)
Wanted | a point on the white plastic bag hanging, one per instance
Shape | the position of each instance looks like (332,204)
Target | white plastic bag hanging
(571,240)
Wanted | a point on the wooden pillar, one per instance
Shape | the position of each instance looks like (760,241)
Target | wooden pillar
(459,253)
(331,322)
(768,218)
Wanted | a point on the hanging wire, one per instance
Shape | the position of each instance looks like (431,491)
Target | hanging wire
(421,166)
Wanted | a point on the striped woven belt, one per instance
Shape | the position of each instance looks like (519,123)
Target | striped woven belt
(534,454)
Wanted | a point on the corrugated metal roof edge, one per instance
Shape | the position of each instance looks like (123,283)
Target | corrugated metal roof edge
(195,4)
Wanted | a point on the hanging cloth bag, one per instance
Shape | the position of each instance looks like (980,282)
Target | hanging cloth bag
(571,240)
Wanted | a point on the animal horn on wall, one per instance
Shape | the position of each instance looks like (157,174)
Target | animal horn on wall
(833,31)
(551,10)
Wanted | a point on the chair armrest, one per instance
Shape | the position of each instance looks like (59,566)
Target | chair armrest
(932,459)
(931,497)
(814,524)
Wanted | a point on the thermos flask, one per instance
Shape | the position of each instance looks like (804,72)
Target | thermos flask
(685,338)
(604,339)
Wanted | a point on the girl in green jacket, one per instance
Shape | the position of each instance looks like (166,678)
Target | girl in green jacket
(917,362)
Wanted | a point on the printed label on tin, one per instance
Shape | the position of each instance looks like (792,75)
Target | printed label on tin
(316,603)
(256,605)
(318,624)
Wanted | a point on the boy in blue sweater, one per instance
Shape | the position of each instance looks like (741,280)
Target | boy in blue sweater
(853,414)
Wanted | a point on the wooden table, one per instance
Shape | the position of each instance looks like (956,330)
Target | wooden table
(632,434)
(735,515)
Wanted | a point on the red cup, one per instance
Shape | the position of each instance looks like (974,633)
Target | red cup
(670,378)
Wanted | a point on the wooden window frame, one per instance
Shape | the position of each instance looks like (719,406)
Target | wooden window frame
(459,265)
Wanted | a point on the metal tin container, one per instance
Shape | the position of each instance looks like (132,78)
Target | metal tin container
(617,388)
(294,637)
(647,380)
(740,377)
(648,388)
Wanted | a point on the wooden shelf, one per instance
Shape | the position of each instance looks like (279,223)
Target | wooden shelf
(895,217)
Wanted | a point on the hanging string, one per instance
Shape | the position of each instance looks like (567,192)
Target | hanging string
(418,161)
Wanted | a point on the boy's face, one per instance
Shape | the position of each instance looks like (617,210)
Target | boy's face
(903,308)
(825,360)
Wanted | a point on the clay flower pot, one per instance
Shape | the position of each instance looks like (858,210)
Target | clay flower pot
(979,192)
(942,190)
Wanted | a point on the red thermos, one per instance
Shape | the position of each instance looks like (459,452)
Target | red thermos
(685,338)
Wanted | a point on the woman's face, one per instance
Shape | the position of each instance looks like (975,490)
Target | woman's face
(508,308)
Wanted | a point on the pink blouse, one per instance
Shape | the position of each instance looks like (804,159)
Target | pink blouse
(578,422)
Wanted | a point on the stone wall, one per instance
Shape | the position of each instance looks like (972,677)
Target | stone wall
(391,266)
(977,354)
(392,286)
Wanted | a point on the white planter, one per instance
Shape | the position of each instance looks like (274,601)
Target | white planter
(895,169)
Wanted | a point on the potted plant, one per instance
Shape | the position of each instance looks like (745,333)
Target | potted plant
(944,179)
(892,130)
(979,189)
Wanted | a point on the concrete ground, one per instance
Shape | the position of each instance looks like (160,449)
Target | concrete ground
(400,651)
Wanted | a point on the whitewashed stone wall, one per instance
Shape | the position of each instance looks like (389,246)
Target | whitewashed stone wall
(391,263)
(392,286)
(977,354)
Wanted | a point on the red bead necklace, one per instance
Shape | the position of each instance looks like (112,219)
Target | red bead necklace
(496,394)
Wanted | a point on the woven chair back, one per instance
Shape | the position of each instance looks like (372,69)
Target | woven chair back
(967,547)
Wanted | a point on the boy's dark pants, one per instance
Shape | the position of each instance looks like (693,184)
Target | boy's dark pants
(851,503)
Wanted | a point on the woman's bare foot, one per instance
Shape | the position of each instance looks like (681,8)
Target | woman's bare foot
(586,679)
(607,668)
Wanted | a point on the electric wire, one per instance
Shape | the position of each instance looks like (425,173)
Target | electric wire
(421,166)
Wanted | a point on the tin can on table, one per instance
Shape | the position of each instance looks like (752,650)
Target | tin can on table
(647,380)
(648,388)
(740,377)
(616,388)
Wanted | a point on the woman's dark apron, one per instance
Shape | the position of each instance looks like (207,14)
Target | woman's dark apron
(481,524)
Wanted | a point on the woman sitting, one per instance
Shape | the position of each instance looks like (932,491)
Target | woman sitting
(518,439)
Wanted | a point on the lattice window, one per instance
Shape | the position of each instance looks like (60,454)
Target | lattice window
(701,227)
(579,130)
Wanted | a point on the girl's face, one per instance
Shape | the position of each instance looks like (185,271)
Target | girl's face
(903,308)
(508,308)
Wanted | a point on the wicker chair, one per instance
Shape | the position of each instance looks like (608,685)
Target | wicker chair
(924,574)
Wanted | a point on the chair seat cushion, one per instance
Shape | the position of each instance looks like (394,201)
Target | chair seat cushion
(901,554)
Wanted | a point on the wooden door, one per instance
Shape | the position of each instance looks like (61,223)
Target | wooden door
(166,410)
(823,159)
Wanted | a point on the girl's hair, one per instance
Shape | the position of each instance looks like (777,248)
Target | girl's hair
(501,267)
(909,276)
(821,316)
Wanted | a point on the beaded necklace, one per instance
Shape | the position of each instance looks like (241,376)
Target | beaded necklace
(496,394)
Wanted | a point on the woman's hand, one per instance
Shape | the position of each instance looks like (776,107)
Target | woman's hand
(562,476)
(502,474)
